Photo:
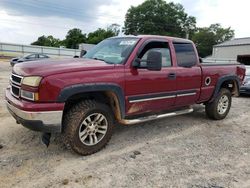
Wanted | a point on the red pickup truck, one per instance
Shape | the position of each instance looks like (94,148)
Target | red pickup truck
(122,80)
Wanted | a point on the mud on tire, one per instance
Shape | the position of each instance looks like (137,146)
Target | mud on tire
(87,127)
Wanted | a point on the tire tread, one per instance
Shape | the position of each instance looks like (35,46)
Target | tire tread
(211,108)
(70,121)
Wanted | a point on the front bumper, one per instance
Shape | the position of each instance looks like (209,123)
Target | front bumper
(43,121)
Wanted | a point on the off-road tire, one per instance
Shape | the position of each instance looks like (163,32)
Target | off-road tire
(73,119)
(212,108)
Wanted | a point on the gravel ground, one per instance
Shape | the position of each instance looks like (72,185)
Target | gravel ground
(185,151)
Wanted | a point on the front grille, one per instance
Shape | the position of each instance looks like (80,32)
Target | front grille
(15,81)
(15,90)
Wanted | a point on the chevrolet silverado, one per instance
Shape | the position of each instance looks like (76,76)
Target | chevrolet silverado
(123,80)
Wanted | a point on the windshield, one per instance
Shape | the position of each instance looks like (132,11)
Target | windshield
(29,56)
(113,50)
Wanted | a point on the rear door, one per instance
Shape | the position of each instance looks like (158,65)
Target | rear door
(188,74)
(151,91)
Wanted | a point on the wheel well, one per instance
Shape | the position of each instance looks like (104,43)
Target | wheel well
(232,86)
(106,97)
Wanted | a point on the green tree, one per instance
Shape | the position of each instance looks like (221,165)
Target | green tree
(221,34)
(47,41)
(74,37)
(101,34)
(115,28)
(160,18)
(205,38)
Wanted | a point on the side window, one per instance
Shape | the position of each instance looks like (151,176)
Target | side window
(31,56)
(185,54)
(156,46)
(42,56)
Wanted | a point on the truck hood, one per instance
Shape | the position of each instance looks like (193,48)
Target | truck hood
(57,66)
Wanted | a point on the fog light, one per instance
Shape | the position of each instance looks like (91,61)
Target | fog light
(28,95)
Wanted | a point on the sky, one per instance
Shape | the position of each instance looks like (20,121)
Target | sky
(23,21)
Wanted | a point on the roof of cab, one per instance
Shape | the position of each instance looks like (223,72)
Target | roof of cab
(173,39)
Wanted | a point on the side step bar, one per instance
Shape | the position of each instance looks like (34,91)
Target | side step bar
(153,117)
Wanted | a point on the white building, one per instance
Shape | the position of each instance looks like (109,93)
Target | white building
(236,49)
(85,46)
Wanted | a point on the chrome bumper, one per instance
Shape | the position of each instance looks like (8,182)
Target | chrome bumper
(48,121)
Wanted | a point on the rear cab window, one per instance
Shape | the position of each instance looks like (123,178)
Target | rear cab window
(185,54)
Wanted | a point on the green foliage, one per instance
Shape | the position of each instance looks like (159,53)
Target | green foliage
(47,41)
(115,28)
(205,38)
(73,38)
(99,35)
(159,18)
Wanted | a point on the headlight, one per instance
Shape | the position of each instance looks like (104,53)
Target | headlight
(33,81)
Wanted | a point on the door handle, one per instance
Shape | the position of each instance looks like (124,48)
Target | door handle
(172,76)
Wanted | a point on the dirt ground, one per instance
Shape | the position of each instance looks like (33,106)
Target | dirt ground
(184,151)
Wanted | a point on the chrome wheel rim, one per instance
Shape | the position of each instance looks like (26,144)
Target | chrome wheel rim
(223,104)
(93,128)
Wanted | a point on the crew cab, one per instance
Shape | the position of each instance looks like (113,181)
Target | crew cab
(122,80)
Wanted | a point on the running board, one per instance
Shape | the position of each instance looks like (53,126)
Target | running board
(153,117)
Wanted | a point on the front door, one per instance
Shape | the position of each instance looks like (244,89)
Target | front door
(146,90)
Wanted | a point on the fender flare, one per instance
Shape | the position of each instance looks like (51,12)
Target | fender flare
(83,88)
(221,80)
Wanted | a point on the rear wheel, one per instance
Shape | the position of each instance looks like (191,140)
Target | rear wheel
(219,108)
(88,127)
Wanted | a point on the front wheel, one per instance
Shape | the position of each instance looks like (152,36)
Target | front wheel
(88,127)
(219,108)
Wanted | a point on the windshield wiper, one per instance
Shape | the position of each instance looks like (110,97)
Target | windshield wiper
(103,60)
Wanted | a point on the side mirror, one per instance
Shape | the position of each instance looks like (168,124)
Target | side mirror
(154,61)
(136,63)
